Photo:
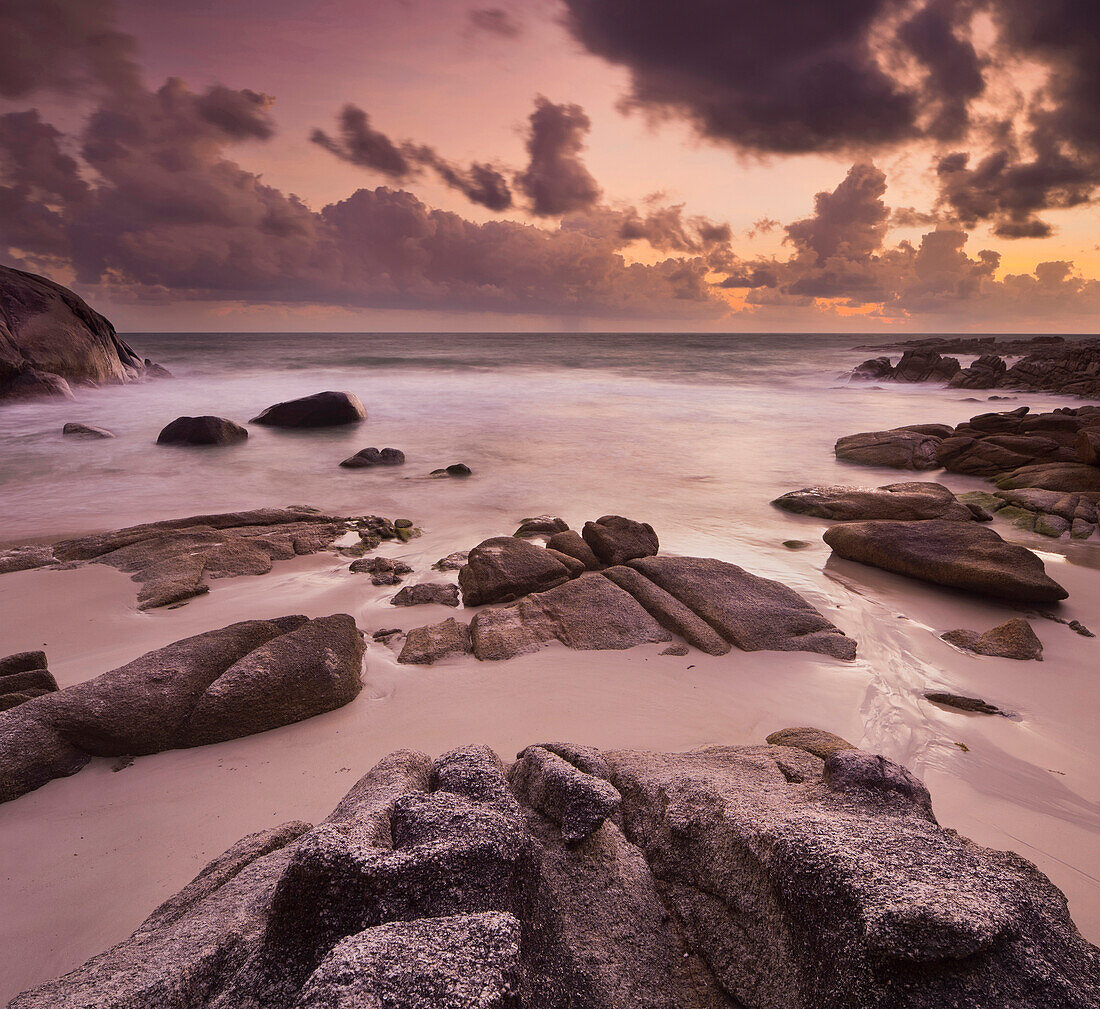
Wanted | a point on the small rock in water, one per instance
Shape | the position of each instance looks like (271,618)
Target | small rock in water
(383,570)
(975,704)
(452,562)
(455,469)
(1013,639)
(368,457)
(439,593)
(202,431)
(323,409)
(796,544)
(90,431)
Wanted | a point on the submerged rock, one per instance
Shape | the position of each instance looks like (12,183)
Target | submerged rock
(727,876)
(908,501)
(202,431)
(242,679)
(961,555)
(457,469)
(322,409)
(368,457)
(1013,639)
(383,570)
(89,431)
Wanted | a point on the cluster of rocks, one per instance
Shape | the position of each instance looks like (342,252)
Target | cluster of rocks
(242,679)
(365,458)
(801,874)
(374,529)
(23,676)
(173,559)
(1014,639)
(605,588)
(1049,364)
(1050,462)
(383,570)
(50,340)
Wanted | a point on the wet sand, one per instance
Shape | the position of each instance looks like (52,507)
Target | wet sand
(89,856)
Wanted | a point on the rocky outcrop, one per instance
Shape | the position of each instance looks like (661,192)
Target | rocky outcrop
(920,365)
(49,338)
(900,448)
(368,457)
(174,559)
(322,409)
(960,555)
(1013,639)
(202,431)
(24,676)
(725,877)
(913,501)
(504,568)
(985,373)
(425,593)
(242,679)
(616,540)
(89,431)
(383,570)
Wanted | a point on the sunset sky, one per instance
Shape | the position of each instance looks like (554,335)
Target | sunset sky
(557,164)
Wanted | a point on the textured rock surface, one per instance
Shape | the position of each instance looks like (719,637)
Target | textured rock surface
(439,593)
(423,645)
(898,449)
(572,544)
(50,337)
(173,559)
(504,568)
(1013,639)
(972,704)
(913,501)
(961,555)
(24,676)
(368,457)
(541,525)
(816,741)
(219,685)
(726,877)
(89,431)
(616,540)
(322,409)
(202,431)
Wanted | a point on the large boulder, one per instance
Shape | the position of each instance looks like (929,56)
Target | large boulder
(322,409)
(49,337)
(961,555)
(906,501)
(437,593)
(727,876)
(504,568)
(572,544)
(616,540)
(202,431)
(1013,639)
(897,449)
(241,679)
(751,612)
(424,645)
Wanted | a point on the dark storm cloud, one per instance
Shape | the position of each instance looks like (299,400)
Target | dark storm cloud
(360,144)
(850,222)
(556,179)
(495,21)
(240,114)
(784,76)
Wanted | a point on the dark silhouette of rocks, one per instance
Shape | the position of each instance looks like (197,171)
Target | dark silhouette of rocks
(202,431)
(383,570)
(322,409)
(616,540)
(242,679)
(1013,639)
(728,876)
(49,338)
(369,457)
(23,676)
(89,431)
(960,555)
(908,501)
(427,593)
(174,559)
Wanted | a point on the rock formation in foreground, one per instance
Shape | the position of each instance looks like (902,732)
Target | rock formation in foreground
(913,501)
(173,559)
(49,337)
(579,879)
(24,676)
(606,589)
(322,409)
(241,679)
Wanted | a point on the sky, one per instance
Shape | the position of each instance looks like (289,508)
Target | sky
(405,165)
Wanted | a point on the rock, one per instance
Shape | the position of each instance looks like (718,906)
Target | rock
(30,679)
(573,566)
(972,704)
(424,645)
(908,501)
(89,431)
(897,449)
(752,875)
(22,662)
(541,525)
(50,337)
(677,650)
(1051,525)
(219,685)
(202,431)
(1013,639)
(796,544)
(459,469)
(961,555)
(985,373)
(1063,476)
(816,741)
(616,540)
(458,962)
(933,430)
(322,409)
(668,611)
(386,633)
(504,568)
(437,593)
(750,612)
(452,562)
(368,457)
(1088,446)
(1081,529)
(874,370)
(589,612)
(924,366)
(383,570)
(572,544)
(172,559)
